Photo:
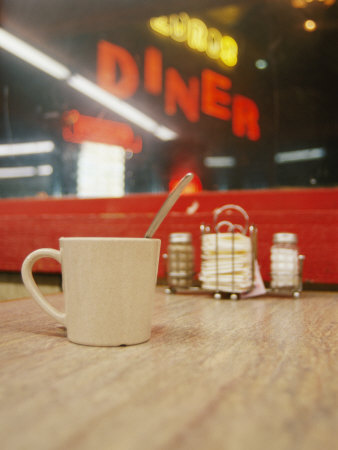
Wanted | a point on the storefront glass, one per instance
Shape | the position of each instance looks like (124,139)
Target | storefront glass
(114,97)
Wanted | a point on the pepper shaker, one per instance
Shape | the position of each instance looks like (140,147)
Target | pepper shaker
(180,261)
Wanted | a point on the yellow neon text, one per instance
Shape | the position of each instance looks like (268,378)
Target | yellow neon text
(181,28)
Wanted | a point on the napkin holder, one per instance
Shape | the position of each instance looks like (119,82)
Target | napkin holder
(228,258)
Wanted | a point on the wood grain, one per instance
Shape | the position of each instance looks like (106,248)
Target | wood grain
(216,374)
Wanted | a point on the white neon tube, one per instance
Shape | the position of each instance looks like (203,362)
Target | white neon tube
(26,171)
(300,155)
(164,133)
(26,148)
(33,56)
(219,161)
(43,62)
(120,107)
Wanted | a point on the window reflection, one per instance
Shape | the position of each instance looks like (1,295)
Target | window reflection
(239,93)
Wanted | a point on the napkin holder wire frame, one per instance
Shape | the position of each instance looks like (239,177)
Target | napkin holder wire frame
(233,229)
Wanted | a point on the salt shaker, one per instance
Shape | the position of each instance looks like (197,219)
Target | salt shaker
(286,264)
(180,261)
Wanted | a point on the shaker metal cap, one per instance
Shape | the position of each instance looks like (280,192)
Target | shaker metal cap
(175,238)
(285,238)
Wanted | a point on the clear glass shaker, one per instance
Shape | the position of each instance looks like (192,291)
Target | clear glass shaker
(285,267)
(180,261)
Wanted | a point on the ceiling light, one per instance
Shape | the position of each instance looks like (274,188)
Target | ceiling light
(310,25)
(26,148)
(120,107)
(300,155)
(261,64)
(43,62)
(219,161)
(33,56)
(26,171)
(305,3)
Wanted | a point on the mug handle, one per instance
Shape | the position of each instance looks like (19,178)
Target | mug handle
(28,280)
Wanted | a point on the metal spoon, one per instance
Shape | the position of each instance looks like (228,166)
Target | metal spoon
(168,204)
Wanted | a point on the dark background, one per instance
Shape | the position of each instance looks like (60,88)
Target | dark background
(295,93)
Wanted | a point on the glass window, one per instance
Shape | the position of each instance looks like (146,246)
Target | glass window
(108,98)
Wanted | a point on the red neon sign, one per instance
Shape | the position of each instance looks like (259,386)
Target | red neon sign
(210,95)
(245,118)
(215,100)
(127,83)
(177,93)
(193,187)
(78,128)
(153,70)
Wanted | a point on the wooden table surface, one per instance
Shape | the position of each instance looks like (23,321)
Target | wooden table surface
(216,374)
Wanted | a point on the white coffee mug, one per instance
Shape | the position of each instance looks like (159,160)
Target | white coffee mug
(109,287)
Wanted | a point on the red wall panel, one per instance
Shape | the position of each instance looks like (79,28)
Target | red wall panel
(27,224)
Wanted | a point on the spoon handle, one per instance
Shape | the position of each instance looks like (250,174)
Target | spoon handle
(168,204)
